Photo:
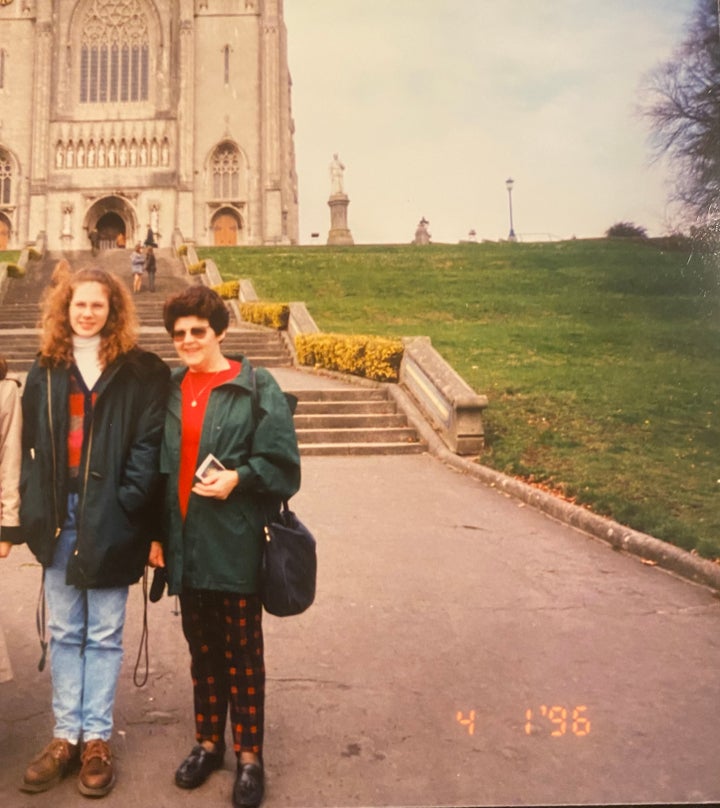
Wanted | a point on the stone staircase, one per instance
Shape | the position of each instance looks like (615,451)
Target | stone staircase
(354,421)
(332,416)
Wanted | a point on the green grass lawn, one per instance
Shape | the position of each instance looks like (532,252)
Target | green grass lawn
(600,358)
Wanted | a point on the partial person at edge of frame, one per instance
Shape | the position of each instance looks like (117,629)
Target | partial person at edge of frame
(10,443)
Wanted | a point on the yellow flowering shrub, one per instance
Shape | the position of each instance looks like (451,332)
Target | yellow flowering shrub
(375,358)
(196,269)
(275,315)
(33,254)
(15,271)
(182,250)
(228,290)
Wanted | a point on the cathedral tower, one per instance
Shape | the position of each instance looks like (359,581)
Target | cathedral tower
(119,114)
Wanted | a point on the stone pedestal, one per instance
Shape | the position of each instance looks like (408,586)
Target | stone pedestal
(339,232)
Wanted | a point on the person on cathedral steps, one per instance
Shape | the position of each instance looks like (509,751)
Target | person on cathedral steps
(137,267)
(214,530)
(150,267)
(93,411)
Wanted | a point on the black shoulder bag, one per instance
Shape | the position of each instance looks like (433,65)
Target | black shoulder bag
(289,565)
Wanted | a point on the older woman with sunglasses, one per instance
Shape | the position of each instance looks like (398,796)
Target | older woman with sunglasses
(214,530)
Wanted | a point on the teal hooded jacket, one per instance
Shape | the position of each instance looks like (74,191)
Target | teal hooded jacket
(219,546)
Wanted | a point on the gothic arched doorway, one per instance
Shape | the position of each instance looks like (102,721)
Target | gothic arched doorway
(4,232)
(226,225)
(115,221)
(111,230)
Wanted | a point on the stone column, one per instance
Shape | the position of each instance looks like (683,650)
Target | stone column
(38,215)
(272,232)
(339,232)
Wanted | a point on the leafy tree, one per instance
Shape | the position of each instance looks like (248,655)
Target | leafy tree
(684,114)
(626,230)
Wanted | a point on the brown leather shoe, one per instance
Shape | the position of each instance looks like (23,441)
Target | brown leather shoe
(50,766)
(97,776)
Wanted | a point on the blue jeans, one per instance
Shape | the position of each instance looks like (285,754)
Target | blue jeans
(85,646)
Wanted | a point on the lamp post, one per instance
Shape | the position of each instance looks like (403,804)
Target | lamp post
(509,182)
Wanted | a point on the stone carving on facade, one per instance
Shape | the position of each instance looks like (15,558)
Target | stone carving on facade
(155,218)
(79,154)
(67,210)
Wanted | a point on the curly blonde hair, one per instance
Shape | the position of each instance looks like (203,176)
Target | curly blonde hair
(118,335)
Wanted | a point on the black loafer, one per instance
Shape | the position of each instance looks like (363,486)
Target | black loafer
(198,766)
(249,785)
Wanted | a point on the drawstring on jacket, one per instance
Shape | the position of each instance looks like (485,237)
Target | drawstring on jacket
(41,623)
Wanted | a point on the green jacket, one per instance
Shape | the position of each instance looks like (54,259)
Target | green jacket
(219,546)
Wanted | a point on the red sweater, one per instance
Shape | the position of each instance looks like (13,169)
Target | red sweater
(196,389)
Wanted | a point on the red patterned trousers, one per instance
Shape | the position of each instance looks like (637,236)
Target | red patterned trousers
(224,634)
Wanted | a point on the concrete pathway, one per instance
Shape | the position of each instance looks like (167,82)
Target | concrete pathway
(464,649)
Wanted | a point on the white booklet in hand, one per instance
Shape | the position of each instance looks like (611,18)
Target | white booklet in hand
(211,463)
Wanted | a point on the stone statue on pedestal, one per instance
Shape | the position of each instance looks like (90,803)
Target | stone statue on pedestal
(338,202)
(336,176)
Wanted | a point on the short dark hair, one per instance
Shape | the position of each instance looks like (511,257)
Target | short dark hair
(196,301)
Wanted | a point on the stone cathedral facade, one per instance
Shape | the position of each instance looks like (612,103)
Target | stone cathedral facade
(117,115)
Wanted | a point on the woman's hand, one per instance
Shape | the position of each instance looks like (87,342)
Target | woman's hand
(217,484)
(5,547)
(157,556)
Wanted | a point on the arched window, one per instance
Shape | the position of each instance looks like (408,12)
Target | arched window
(114,52)
(226,172)
(5,178)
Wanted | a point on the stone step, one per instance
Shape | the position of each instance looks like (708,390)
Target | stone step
(344,407)
(335,449)
(258,360)
(351,436)
(344,394)
(354,420)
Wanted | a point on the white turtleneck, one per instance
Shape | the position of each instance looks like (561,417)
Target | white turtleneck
(86,351)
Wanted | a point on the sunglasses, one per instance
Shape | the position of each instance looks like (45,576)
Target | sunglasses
(197,331)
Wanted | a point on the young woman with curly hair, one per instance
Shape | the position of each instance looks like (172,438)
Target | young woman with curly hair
(93,411)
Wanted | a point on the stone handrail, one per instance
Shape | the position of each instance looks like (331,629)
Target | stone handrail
(452,407)
(39,247)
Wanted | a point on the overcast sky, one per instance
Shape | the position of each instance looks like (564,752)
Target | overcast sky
(433,104)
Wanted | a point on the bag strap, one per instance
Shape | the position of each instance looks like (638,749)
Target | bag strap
(144,638)
(256,418)
(254,398)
